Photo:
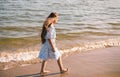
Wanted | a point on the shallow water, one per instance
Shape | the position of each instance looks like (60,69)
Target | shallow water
(30,56)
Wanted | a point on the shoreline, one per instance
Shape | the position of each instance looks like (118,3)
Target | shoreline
(79,64)
(10,60)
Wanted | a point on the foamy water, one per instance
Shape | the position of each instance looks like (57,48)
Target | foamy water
(25,56)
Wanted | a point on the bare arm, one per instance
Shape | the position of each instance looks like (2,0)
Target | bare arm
(50,41)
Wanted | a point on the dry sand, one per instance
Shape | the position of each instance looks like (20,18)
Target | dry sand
(96,63)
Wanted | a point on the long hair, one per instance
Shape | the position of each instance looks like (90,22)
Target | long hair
(49,20)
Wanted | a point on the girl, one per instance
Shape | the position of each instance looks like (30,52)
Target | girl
(49,49)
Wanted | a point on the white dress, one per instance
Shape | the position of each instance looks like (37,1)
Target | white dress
(46,51)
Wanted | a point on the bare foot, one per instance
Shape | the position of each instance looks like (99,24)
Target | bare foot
(64,71)
(44,72)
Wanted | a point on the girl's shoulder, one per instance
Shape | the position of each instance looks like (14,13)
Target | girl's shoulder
(51,27)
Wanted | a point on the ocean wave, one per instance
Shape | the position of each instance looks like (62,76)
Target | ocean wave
(26,56)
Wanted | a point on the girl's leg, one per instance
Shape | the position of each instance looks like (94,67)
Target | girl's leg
(62,70)
(59,61)
(43,66)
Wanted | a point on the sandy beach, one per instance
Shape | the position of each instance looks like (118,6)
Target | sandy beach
(96,63)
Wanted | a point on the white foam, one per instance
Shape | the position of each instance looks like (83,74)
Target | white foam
(25,56)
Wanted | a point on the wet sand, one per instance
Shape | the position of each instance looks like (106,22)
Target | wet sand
(96,63)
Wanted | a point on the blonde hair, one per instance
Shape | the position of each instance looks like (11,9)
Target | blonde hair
(51,19)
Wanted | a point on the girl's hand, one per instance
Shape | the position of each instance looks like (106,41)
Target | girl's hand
(53,49)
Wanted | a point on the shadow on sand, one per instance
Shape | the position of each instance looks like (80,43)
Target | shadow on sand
(38,75)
